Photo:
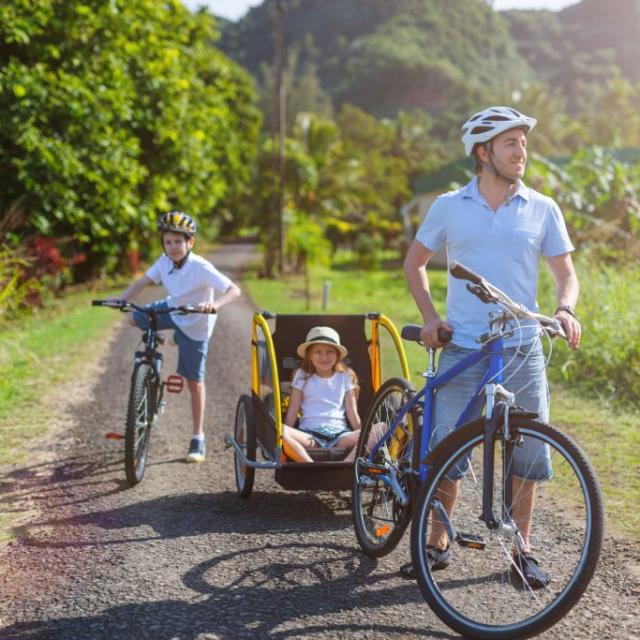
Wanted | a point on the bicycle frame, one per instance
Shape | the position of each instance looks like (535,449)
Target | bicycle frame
(153,357)
(488,389)
(491,350)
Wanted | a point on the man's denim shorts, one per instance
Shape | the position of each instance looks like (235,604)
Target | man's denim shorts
(525,375)
(192,354)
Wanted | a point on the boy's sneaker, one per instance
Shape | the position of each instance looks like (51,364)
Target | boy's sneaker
(197,450)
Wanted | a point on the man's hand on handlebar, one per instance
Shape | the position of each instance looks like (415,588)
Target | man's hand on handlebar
(433,333)
(571,327)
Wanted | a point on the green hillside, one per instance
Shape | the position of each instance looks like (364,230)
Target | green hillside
(436,54)
(383,56)
(585,44)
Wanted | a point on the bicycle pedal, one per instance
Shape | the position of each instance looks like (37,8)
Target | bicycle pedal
(471,541)
(114,436)
(174,383)
(368,468)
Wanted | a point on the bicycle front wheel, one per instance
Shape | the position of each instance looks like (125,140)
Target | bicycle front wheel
(379,517)
(483,593)
(139,417)
(244,433)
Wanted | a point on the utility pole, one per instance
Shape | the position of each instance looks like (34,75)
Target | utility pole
(281,127)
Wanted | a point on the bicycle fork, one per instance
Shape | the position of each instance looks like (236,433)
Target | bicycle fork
(499,418)
(498,413)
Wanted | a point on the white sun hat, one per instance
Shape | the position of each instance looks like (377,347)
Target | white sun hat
(322,335)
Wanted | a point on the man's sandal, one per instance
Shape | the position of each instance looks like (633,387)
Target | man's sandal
(438,559)
(527,569)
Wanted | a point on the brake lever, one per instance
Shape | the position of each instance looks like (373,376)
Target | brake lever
(186,309)
(556,330)
(480,291)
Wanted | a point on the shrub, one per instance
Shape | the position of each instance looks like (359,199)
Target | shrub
(368,246)
(608,360)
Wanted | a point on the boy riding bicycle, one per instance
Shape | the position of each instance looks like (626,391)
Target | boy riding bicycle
(189,280)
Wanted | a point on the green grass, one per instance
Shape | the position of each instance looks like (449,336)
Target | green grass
(38,353)
(609,436)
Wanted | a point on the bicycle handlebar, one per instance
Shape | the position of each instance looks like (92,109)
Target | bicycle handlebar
(125,305)
(458,270)
(487,292)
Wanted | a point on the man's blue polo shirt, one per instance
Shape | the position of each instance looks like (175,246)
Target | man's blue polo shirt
(503,246)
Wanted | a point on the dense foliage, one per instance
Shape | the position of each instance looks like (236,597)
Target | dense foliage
(113,111)
(347,177)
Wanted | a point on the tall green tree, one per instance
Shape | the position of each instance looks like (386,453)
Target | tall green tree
(113,111)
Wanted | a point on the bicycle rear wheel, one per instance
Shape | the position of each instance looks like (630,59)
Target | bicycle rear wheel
(482,594)
(139,417)
(378,516)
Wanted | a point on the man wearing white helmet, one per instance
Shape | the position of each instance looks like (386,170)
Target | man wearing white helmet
(499,228)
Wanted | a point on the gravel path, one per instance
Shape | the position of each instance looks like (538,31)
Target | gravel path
(181,557)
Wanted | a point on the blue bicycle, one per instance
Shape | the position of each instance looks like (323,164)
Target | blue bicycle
(478,589)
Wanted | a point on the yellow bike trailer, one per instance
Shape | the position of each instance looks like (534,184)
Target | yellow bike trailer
(259,416)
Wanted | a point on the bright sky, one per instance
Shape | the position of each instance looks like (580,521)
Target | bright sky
(234,9)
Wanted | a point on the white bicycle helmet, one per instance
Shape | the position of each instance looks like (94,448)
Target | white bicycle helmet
(487,124)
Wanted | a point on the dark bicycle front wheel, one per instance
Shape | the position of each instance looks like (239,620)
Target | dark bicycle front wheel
(244,433)
(140,415)
(379,517)
(483,593)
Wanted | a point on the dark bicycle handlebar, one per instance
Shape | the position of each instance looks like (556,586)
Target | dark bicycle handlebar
(125,305)
(487,292)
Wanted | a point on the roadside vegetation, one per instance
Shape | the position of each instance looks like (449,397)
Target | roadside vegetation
(37,356)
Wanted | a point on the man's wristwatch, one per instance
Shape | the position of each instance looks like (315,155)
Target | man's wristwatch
(567,308)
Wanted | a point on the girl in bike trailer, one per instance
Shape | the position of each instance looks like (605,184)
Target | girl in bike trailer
(189,279)
(325,393)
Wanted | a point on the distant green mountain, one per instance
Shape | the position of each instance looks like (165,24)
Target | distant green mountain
(585,43)
(385,55)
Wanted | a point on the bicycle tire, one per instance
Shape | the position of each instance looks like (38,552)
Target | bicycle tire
(244,433)
(140,414)
(378,517)
(480,596)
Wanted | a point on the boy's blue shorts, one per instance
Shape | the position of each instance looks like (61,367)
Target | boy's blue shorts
(192,354)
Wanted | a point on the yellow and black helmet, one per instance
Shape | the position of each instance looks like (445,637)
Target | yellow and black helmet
(177,222)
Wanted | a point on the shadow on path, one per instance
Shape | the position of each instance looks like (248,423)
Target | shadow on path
(264,592)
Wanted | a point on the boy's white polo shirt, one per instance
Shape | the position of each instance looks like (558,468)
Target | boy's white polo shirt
(192,284)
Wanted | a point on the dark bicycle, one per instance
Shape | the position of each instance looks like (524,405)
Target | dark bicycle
(147,388)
